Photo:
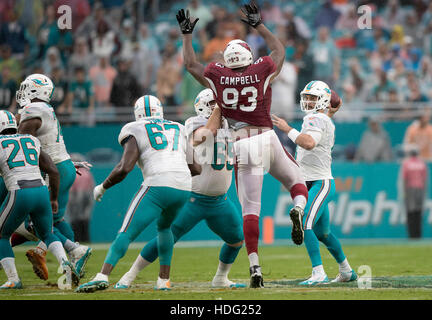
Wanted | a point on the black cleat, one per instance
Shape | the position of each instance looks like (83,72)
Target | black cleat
(256,280)
(297,233)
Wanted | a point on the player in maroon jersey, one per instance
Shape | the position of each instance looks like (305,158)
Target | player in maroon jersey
(242,89)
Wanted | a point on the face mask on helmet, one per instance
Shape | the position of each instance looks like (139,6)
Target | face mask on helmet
(237,54)
(35,86)
(204,103)
(148,107)
(315,96)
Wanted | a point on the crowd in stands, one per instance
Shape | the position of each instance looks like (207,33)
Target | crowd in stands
(118,50)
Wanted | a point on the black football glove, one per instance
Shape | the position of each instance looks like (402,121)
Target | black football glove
(186,26)
(252,14)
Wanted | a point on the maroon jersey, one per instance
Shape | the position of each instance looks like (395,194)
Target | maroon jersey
(244,96)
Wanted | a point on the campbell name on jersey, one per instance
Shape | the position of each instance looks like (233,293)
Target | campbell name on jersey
(162,147)
(216,159)
(19,159)
(49,133)
(315,164)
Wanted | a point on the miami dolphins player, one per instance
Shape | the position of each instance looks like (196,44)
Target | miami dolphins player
(160,149)
(314,146)
(38,118)
(209,199)
(21,162)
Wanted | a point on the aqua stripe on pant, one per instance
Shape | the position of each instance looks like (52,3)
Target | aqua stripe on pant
(316,221)
(149,203)
(220,215)
(16,207)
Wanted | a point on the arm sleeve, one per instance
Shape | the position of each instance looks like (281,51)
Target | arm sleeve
(316,135)
(28,113)
(192,124)
(126,132)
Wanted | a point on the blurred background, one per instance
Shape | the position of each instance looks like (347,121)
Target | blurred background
(378,58)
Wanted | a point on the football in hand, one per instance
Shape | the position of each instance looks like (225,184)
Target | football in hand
(335,100)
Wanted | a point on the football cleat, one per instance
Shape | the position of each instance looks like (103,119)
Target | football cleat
(99,282)
(11,285)
(72,276)
(256,280)
(36,256)
(297,233)
(125,281)
(316,278)
(224,282)
(346,277)
(79,258)
(119,285)
(163,284)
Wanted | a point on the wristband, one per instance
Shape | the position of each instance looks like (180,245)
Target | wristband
(293,134)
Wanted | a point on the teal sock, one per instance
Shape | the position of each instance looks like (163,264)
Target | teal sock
(165,245)
(5,249)
(118,249)
(228,254)
(312,246)
(150,250)
(334,247)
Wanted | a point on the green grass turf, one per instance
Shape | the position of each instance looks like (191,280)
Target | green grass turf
(283,267)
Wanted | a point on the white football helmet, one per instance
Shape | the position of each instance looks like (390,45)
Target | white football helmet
(7,121)
(237,54)
(203,103)
(35,86)
(318,89)
(148,107)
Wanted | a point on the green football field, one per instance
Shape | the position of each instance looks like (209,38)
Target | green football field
(400,270)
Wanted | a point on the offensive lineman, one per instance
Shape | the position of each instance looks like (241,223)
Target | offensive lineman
(159,147)
(37,118)
(21,162)
(314,146)
(208,200)
(243,91)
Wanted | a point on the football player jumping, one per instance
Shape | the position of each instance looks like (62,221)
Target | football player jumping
(242,89)
(314,146)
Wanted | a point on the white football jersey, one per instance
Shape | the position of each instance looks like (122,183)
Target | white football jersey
(216,158)
(315,164)
(49,133)
(162,146)
(19,159)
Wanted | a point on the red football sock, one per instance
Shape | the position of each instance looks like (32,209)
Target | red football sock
(251,232)
(17,239)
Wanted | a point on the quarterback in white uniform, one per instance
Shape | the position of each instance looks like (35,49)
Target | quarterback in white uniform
(37,117)
(209,199)
(314,146)
(160,149)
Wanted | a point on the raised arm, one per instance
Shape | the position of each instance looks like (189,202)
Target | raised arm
(211,127)
(253,18)
(191,62)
